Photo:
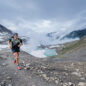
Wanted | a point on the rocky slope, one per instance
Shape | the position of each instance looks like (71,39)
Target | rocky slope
(5,34)
(68,68)
(76,34)
(40,72)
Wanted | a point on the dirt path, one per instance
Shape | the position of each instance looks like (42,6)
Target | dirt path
(11,76)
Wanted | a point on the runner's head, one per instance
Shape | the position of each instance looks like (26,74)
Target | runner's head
(15,35)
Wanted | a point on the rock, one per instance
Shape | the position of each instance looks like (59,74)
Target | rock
(41,72)
(61,81)
(82,84)
(4,64)
(68,84)
(45,77)
(4,73)
(55,78)
(27,68)
(28,64)
(30,77)
(43,67)
(76,73)
(23,62)
(15,73)
(65,84)
(72,64)
(77,70)
(9,78)
(66,74)
(38,71)
(71,84)
(33,85)
(9,84)
(52,78)
(3,83)
(82,78)
(56,81)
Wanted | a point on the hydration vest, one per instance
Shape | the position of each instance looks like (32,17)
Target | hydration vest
(13,43)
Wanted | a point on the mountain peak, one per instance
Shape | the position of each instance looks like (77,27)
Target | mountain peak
(5,34)
(4,29)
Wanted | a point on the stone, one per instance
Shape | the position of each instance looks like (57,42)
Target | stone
(82,84)
(15,73)
(33,85)
(82,78)
(23,62)
(65,84)
(72,64)
(4,64)
(9,84)
(71,84)
(55,78)
(61,81)
(76,73)
(41,72)
(43,67)
(3,83)
(77,70)
(9,78)
(66,74)
(52,78)
(45,77)
(27,68)
(28,64)
(4,73)
(56,81)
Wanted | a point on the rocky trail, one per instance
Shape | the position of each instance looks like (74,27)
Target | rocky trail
(40,72)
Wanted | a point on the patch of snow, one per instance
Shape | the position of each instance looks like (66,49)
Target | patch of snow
(53,46)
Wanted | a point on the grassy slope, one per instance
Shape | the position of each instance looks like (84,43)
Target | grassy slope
(72,47)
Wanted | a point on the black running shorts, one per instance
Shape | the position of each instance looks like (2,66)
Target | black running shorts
(16,49)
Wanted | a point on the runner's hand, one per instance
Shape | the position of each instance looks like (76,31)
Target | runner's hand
(10,46)
(19,45)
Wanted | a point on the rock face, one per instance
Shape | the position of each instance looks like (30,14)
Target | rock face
(4,29)
(53,35)
(76,34)
(4,34)
(72,35)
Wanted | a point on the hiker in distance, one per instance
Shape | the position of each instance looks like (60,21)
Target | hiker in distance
(15,43)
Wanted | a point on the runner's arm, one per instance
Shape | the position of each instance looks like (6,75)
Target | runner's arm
(9,43)
(21,43)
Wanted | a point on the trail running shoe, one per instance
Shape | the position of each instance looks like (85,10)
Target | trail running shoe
(14,61)
(19,68)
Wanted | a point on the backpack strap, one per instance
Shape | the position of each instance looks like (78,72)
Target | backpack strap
(12,40)
(18,40)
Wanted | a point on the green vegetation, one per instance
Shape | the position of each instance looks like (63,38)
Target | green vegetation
(73,46)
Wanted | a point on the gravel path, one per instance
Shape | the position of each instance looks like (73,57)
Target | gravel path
(40,72)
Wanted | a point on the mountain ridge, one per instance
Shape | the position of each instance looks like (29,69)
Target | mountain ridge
(5,34)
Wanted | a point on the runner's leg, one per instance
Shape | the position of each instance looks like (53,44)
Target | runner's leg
(16,54)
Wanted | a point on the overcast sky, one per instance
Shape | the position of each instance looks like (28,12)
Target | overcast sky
(43,15)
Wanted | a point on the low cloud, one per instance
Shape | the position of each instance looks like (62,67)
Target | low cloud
(46,25)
